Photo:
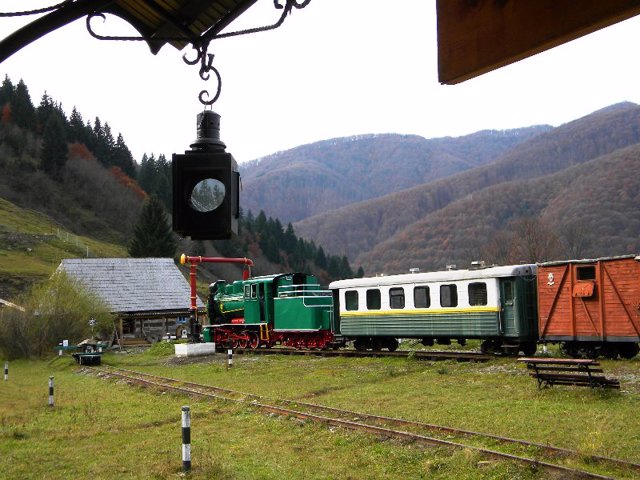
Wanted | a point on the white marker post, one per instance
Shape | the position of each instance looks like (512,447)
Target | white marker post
(186,439)
(51,391)
(229,358)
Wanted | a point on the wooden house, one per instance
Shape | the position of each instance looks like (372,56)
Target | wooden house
(149,297)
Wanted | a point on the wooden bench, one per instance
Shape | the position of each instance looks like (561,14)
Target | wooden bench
(568,371)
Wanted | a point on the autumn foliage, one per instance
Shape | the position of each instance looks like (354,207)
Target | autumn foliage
(128,182)
(80,150)
(5,117)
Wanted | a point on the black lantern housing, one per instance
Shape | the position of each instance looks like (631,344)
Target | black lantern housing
(206,185)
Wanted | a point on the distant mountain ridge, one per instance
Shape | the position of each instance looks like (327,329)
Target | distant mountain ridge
(356,230)
(312,179)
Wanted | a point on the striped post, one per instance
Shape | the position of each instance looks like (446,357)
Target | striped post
(6,371)
(51,391)
(186,439)
(229,358)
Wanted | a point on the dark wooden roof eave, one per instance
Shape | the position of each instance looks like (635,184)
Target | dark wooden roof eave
(155,34)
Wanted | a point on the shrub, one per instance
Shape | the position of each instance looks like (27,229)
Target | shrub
(54,310)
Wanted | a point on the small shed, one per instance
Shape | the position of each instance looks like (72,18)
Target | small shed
(149,297)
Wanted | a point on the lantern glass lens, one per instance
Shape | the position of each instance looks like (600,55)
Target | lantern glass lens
(207,195)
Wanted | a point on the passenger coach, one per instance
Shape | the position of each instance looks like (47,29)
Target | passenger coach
(497,305)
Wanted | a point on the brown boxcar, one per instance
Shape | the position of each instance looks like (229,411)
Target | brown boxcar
(591,307)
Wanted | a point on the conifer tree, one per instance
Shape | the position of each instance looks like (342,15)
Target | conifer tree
(54,147)
(6,91)
(23,111)
(153,236)
(122,156)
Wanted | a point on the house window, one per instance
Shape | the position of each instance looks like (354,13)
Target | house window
(373,299)
(448,295)
(351,299)
(421,297)
(477,293)
(586,273)
(396,297)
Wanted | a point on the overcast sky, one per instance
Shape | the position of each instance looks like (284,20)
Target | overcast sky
(336,68)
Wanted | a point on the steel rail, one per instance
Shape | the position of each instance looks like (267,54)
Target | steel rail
(417,354)
(197,389)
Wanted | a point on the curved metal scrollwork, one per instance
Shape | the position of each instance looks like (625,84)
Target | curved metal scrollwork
(201,46)
(206,66)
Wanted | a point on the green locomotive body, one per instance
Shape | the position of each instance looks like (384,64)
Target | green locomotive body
(288,309)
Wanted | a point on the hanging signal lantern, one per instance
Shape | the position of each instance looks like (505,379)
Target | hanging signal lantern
(206,185)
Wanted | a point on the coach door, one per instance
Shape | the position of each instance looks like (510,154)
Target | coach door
(507,306)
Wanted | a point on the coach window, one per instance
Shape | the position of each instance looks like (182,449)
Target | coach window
(448,295)
(351,299)
(373,299)
(421,297)
(477,293)
(396,297)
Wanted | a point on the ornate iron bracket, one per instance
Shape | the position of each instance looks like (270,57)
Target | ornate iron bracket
(206,66)
(201,45)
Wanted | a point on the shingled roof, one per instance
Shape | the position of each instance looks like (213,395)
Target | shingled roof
(133,285)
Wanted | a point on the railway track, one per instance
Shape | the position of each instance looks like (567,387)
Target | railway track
(532,454)
(417,354)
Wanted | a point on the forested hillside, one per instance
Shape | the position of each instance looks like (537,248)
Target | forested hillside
(330,174)
(585,211)
(355,230)
(79,192)
(519,195)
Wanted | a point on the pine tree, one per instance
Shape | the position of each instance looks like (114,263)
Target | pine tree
(6,91)
(122,157)
(23,111)
(321,259)
(153,236)
(77,129)
(54,147)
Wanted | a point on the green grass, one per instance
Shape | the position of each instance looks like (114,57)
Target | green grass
(32,246)
(108,429)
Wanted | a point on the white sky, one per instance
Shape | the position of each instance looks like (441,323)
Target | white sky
(336,68)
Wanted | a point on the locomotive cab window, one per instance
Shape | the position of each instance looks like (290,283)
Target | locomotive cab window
(477,293)
(247,291)
(373,299)
(448,295)
(586,273)
(396,297)
(351,299)
(253,290)
(421,297)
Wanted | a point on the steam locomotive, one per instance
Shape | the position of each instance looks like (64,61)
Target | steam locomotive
(590,307)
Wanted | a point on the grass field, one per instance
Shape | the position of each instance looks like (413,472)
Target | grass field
(32,245)
(107,429)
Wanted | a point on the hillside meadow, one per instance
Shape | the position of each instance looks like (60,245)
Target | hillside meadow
(32,245)
(103,428)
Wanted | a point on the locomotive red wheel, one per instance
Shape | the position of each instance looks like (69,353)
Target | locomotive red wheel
(254,340)
(243,342)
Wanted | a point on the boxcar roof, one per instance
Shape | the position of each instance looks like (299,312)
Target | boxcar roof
(441,276)
(132,285)
(590,260)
